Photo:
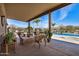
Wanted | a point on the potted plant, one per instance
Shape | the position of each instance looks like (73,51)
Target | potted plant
(9,40)
(49,35)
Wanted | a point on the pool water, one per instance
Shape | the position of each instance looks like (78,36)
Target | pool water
(69,34)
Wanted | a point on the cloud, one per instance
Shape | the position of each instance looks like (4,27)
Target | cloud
(65,11)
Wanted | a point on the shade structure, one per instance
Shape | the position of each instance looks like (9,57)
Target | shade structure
(26,11)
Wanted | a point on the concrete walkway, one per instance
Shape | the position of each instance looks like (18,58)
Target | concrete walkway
(54,48)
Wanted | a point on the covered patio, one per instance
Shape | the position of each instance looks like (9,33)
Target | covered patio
(54,48)
(28,12)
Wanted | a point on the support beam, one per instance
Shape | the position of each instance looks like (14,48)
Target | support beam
(49,23)
(28,28)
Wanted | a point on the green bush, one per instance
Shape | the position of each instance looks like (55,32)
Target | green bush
(9,37)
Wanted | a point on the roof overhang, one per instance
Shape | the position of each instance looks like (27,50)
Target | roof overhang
(28,11)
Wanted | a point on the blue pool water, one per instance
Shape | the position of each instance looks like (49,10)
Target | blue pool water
(69,34)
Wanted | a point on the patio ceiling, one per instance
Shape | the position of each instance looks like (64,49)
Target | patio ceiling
(25,11)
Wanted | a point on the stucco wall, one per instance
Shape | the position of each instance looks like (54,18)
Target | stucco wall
(2,30)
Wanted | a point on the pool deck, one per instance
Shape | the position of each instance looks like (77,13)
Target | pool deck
(54,48)
(70,39)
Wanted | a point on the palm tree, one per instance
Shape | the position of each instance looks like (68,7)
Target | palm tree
(37,20)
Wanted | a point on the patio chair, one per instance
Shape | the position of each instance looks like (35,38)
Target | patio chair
(39,39)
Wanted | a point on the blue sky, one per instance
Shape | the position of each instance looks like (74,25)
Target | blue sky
(68,15)
(17,23)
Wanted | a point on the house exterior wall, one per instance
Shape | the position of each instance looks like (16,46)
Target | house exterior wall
(2,30)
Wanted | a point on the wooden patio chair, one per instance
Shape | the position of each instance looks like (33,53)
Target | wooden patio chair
(38,39)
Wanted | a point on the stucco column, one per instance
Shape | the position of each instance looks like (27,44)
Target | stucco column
(49,24)
(28,28)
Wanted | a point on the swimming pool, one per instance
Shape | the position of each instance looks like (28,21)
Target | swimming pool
(68,34)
